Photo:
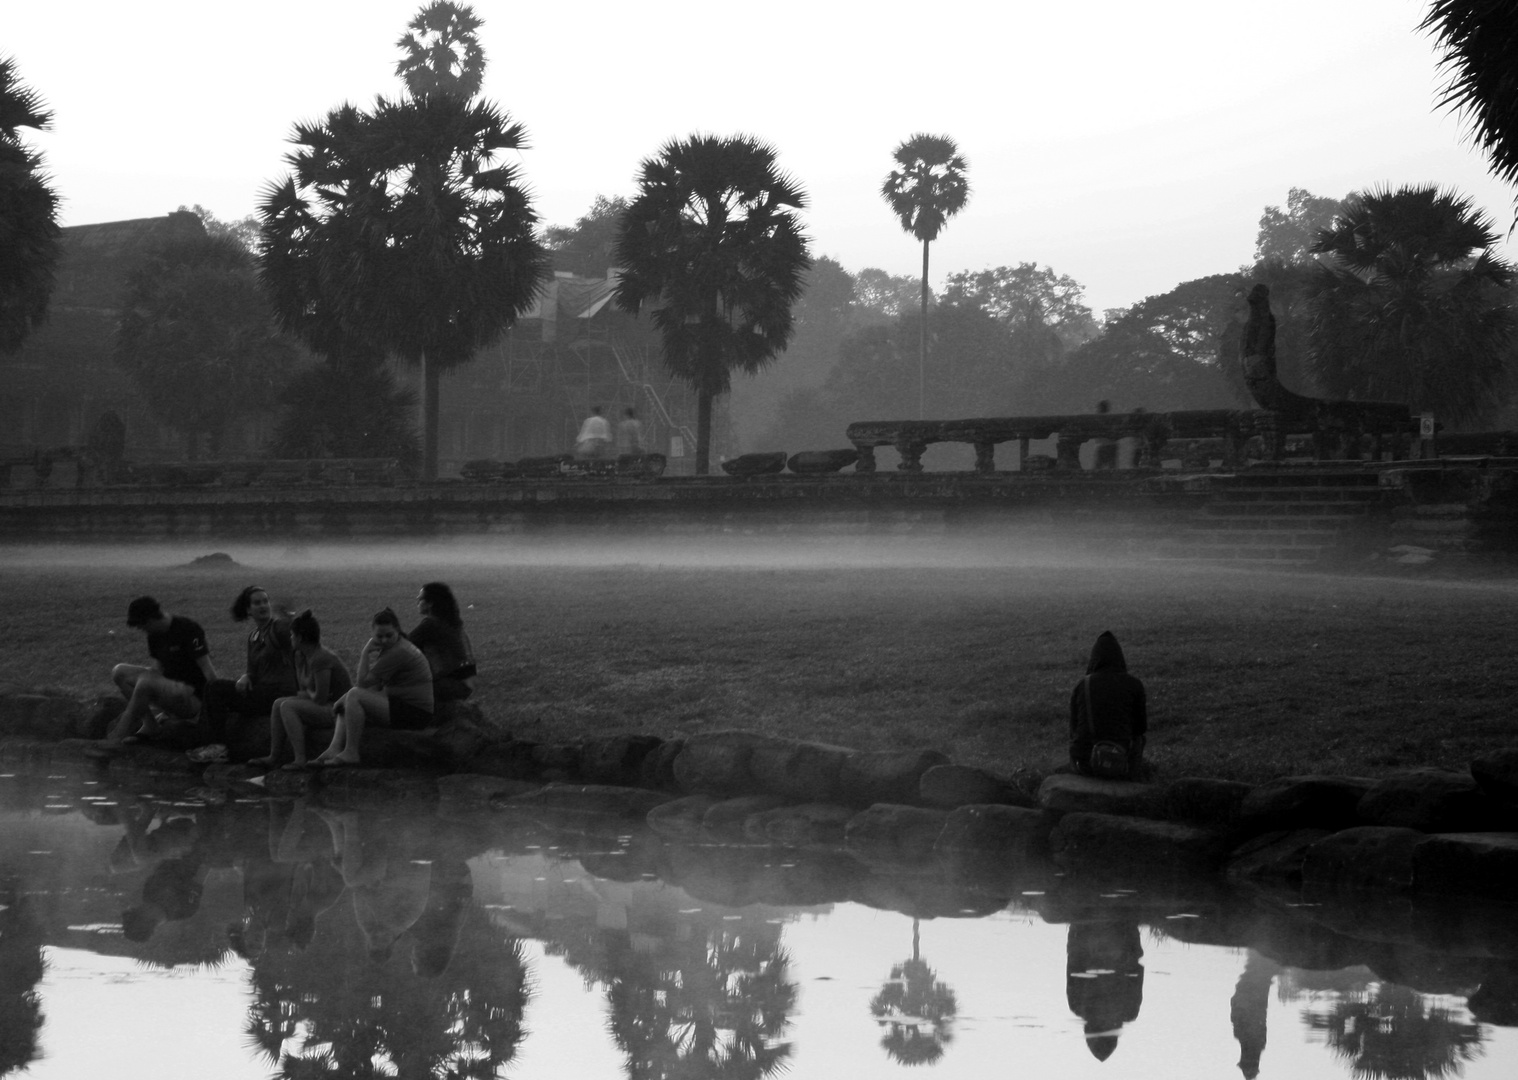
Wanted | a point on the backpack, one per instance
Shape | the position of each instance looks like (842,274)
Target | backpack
(1109,760)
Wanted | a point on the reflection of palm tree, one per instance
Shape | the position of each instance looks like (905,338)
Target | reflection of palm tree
(916,1010)
(21,968)
(1390,1032)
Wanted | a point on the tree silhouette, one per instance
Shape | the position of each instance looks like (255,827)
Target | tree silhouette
(712,246)
(1477,38)
(916,1010)
(1389,1032)
(398,231)
(442,51)
(1411,304)
(926,189)
(21,969)
(28,213)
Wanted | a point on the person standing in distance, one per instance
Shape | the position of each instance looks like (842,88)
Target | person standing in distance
(595,436)
(175,680)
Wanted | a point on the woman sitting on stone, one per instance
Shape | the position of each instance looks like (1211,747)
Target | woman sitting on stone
(440,635)
(393,689)
(1108,715)
(323,680)
(270,674)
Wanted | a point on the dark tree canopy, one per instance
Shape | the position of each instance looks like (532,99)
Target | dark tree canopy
(1412,305)
(1479,39)
(1028,299)
(28,213)
(712,246)
(198,338)
(352,410)
(442,52)
(879,295)
(587,246)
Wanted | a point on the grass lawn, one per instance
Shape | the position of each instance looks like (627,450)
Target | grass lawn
(895,642)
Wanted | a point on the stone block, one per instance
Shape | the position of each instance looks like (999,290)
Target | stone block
(1304,802)
(617,759)
(512,760)
(1202,800)
(1497,773)
(1274,857)
(44,716)
(1370,857)
(885,776)
(804,879)
(949,786)
(479,789)
(562,758)
(799,771)
(717,764)
(894,833)
(714,874)
(658,768)
(1005,832)
(681,819)
(724,820)
(601,799)
(805,825)
(1067,793)
(1468,864)
(1432,800)
(924,896)
(1107,844)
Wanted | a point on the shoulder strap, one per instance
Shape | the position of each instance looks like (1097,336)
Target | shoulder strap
(1086,704)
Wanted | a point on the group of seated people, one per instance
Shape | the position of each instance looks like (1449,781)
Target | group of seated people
(294,680)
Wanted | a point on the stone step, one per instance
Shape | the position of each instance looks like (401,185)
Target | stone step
(1284,509)
(1284,523)
(1236,553)
(1287,495)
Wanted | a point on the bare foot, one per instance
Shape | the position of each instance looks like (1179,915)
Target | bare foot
(262,762)
(341,759)
(296,766)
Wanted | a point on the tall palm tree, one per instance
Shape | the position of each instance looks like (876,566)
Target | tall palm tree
(927,188)
(397,230)
(28,213)
(1478,38)
(442,51)
(712,245)
(1410,304)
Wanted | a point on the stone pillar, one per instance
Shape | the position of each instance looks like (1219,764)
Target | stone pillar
(911,455)
(1067,453)
(985,456)
(866,462)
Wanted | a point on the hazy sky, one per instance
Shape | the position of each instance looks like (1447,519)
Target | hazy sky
(1131,145)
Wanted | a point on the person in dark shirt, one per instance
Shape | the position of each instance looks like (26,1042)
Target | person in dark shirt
(174,682)
(1108,705)
(270,673)
(440,635)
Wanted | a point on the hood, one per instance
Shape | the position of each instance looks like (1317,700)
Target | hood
(1106,655)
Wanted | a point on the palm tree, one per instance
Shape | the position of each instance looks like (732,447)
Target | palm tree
(397,231)
(443,53)
(28,214)
(925,191)
(711,244)
(1477,37)
(916,1009)
(1410,304)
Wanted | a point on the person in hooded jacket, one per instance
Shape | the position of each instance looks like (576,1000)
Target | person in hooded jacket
(1107,706)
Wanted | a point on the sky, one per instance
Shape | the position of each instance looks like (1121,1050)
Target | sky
(1129,145)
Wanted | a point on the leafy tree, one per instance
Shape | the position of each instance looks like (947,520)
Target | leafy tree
(442,52)
(880,297)
(397,231)
(916,1009)
(1477,37)
(1287,236)
(21,969)
(347,410)
(1042,309)
(244,230)
(926,189)
(28,214)
(586,247)
(198,338)
(1412,304)
(713,245)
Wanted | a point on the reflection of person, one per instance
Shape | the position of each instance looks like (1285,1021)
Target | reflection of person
(270,673)
(171,893)
(629,434)
(1248,1009)
(595,436)
(1107,706)
(322,679)
(436,933)
(393,689)
(440,635)
(1104,980)
(173,684)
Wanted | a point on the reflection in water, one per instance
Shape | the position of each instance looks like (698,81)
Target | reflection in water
(1248,1009)
(21,969)
(1388,1032)
(1104,980)
(916,1010)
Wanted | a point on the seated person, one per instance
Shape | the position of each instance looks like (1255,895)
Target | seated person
(173,685)
(1107,707)
(270,673)
(440,635)
(393,689)
(594,439)
(322,678)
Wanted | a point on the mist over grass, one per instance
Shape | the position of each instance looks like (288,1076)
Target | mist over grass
(969,644)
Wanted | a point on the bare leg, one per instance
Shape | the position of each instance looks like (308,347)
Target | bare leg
(295,713)
(137,718)
(360,707)
(339,733)
(275,730)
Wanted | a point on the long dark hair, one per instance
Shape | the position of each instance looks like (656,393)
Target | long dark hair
(244,601)
(307,627)
(440,598)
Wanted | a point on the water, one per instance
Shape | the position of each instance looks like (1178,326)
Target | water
(189,934)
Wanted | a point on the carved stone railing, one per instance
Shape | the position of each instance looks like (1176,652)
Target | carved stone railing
(1233,426)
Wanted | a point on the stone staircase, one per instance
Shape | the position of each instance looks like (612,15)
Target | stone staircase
(1278,517)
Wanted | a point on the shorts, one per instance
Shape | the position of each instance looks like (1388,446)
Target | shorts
(405,716)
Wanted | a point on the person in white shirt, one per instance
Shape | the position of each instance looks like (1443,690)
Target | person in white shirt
(594,439)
